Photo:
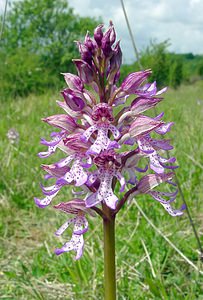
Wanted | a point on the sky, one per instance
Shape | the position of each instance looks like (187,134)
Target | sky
(180,21)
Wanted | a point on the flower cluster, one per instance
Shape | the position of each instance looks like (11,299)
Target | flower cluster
(104,136)
(13,136)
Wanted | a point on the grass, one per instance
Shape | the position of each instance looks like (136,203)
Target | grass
(147,266)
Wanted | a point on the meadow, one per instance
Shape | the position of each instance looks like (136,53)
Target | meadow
(147,266)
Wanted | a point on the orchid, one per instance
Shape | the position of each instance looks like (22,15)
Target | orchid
(103,144)
(80,223)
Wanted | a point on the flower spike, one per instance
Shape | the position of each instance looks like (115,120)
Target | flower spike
(109,144)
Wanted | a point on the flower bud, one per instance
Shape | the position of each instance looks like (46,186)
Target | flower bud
(98,34)
(85,53)
(61,121)
(84,71)
(74,142)
(115,63)
(133,80)
(143,125)
(74,206)
(73,99)
(148,182)
(73,81)
(140,104)
(89,43)
(108,40)
(55,171)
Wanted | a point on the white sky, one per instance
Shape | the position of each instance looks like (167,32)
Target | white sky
(181,21)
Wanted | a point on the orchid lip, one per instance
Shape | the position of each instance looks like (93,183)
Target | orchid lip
(169,167)
(147,151)
(37,202)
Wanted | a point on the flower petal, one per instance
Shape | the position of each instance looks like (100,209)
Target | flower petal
(173,212)
(76,243)
(144,145)
(53,171)
(62,121)
(140,105)
(87,134)
(161,144)
(65,226)
(50,190)
(131,83)
(114,131)
(158,196)
(141,170)
(92,200)
(163,129)
(148,182)
(143,125)
(111,199)
(46,201)
(155,164)
(121,180)
(52,145)
(65,161)
(81,225)
(47,153)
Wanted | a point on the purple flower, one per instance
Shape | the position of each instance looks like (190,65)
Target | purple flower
(108,168)
(52,145)
(139,105)
(150,90)
(149,182)
(102,117)
(147,146)
(106,146)
(76,173)
(63,172)
(80,226)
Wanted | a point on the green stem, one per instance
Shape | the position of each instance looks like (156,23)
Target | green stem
(109,257)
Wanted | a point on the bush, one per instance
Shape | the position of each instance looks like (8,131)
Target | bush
(167,68)
(38,44)
(155,57)
(23,73)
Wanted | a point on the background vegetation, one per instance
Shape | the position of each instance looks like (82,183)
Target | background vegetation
(31,59)
(169,68)
(38,44)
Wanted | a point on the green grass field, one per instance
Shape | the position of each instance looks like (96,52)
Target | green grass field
(147,266)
